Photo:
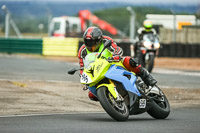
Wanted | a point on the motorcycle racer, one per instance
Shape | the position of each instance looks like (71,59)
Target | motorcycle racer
(147,28)
(94,42)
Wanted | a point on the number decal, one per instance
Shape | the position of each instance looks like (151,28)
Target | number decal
(142,103)
(84,78)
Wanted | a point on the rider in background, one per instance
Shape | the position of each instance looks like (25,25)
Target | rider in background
(147,28)
(94,41)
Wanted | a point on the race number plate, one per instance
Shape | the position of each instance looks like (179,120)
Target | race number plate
(142,103)
(85,78)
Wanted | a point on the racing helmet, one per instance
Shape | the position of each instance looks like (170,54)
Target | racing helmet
(92,38)
(147,25)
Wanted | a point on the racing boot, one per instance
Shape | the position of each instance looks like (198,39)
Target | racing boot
(142,72)
(146,77)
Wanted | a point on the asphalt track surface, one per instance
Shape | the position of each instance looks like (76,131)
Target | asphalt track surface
(21,68)
(179,121)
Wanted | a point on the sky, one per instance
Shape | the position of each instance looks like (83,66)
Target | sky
(179,2)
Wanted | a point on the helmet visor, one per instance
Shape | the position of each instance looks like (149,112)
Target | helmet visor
(148,26)
(89,42)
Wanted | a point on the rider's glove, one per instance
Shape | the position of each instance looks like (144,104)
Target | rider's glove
(116,57)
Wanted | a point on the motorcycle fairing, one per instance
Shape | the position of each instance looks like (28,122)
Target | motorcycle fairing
(111,88)
(93,90)
(121,75)
(99,69)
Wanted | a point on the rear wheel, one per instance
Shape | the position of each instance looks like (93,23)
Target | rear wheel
(160,106)
(118,110)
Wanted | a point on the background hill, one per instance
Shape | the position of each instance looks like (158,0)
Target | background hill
(29,14)
(71,8)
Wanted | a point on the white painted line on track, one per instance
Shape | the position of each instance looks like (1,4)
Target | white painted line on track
(53,81)
(175,72)
(49,114)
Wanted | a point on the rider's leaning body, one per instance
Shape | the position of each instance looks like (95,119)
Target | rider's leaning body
(113,50)
(94,42)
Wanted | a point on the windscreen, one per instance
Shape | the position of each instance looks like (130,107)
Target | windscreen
(149,37)
(89,59)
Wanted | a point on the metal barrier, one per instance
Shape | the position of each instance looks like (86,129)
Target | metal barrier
(13,45)
(60,46)
(45,46)
(179,50)
(70,47)
(170,50)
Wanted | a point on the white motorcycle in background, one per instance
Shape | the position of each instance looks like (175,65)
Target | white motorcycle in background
(147,50)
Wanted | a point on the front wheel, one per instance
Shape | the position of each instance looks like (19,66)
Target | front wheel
(118,110)
(160,106)
(149,62)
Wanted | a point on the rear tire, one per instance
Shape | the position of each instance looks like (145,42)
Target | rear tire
(160,110)
(117,110)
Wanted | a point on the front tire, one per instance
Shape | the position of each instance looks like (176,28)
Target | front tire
(117,110)
(149,64)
